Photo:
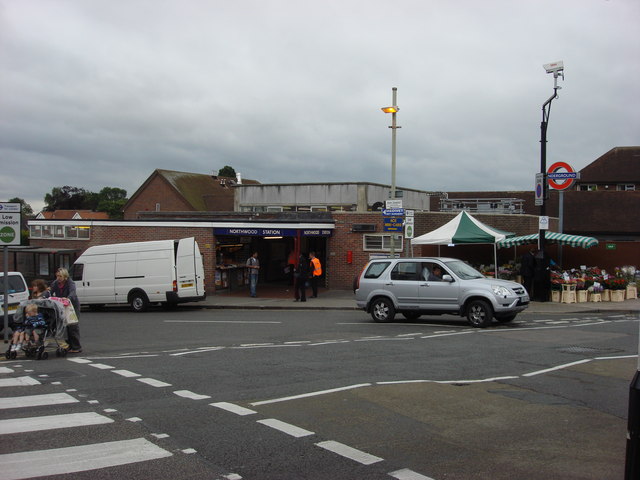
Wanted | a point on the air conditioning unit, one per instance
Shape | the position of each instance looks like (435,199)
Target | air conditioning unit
(363,227)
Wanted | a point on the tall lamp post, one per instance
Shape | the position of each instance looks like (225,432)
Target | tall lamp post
(393,110)
(557,68)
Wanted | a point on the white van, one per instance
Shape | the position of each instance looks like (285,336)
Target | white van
(140,273)
(17,292)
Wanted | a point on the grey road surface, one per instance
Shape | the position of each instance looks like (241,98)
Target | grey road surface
(327,395)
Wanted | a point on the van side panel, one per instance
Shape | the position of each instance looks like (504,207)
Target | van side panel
(154,269)
(97,279)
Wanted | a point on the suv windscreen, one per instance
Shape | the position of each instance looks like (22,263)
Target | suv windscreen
(16,285)
(463,270)
(376,269)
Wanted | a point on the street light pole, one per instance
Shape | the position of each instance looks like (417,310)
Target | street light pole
(393,110)
(557,69)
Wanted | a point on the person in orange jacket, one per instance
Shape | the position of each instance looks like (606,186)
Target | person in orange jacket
(316,271)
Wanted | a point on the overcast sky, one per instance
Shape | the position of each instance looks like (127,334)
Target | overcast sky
(97,93)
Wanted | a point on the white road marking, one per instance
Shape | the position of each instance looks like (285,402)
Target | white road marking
(286,428)
(18,382)
(153,382)
(230,407)
(449,334)
(6,370)
(126,373)
(134,419)
(298,341)
(102,366)
(411,334)
(191,395)
(199,350)
(330,342)
(559,367)
(263,346)
(616,358)
(310,394)
(221,321)
(78,360)
(160,435)
(349,452)
(189,451)
(406,474)
(380,339)
(58,461)
(51,422)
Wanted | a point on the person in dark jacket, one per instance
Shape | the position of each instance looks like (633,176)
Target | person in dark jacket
(527,270)
(302,275)
(64,287)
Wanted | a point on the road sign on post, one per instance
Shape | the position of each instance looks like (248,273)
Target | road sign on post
(539,189)
(9,224)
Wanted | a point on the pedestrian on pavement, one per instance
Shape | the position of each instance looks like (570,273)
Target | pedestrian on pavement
(302,275)
(527,270)
(316,271)
(64,287)
(253,264)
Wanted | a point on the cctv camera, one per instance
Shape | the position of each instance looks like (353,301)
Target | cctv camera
(554,67)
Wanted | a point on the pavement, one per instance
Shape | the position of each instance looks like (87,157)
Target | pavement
(280,297)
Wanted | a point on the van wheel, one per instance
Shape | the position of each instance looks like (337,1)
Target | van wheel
(479,314)
(139,302)
(382,310)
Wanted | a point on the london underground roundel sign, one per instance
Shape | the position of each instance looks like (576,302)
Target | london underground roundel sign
(561,175)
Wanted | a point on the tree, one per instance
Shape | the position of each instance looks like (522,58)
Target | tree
(227,171)
(66,198)
(112,200)
(25,208)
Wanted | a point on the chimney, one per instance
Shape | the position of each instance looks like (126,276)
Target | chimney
(239,178)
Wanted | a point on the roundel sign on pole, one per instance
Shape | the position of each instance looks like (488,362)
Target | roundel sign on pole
(561,175)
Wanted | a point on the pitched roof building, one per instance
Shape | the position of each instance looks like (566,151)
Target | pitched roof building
(169,190)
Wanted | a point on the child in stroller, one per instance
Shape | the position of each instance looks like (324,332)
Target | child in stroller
(34,324)
(40,319)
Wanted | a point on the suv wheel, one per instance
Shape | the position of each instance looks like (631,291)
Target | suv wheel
(382,310)
(479,314)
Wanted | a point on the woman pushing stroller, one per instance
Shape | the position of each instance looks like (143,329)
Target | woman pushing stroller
(64,287)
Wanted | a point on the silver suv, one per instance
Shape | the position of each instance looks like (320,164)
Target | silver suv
(435,286)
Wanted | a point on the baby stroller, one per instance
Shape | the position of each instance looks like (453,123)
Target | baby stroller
(53,313)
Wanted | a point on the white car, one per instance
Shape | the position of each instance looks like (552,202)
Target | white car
(412,287)
(17,292)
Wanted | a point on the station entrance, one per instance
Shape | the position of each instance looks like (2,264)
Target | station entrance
(276,247)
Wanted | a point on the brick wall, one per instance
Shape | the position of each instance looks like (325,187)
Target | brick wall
(157,191)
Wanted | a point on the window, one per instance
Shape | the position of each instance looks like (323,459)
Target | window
(274,209)
(59,231)
(406,271)
(70,232)
(43,264)
(376,269)
(587,187)
(76,272)
(35,231)
(382,243)
(626,187)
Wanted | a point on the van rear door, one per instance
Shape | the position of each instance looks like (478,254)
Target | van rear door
(189,269)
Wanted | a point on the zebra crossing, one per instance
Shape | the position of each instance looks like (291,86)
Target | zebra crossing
(46,430)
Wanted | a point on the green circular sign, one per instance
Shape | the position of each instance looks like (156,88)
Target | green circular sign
(7,234)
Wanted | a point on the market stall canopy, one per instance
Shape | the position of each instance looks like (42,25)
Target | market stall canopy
(551,237)
(462,229)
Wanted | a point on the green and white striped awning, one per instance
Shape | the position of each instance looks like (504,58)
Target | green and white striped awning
(550,237)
